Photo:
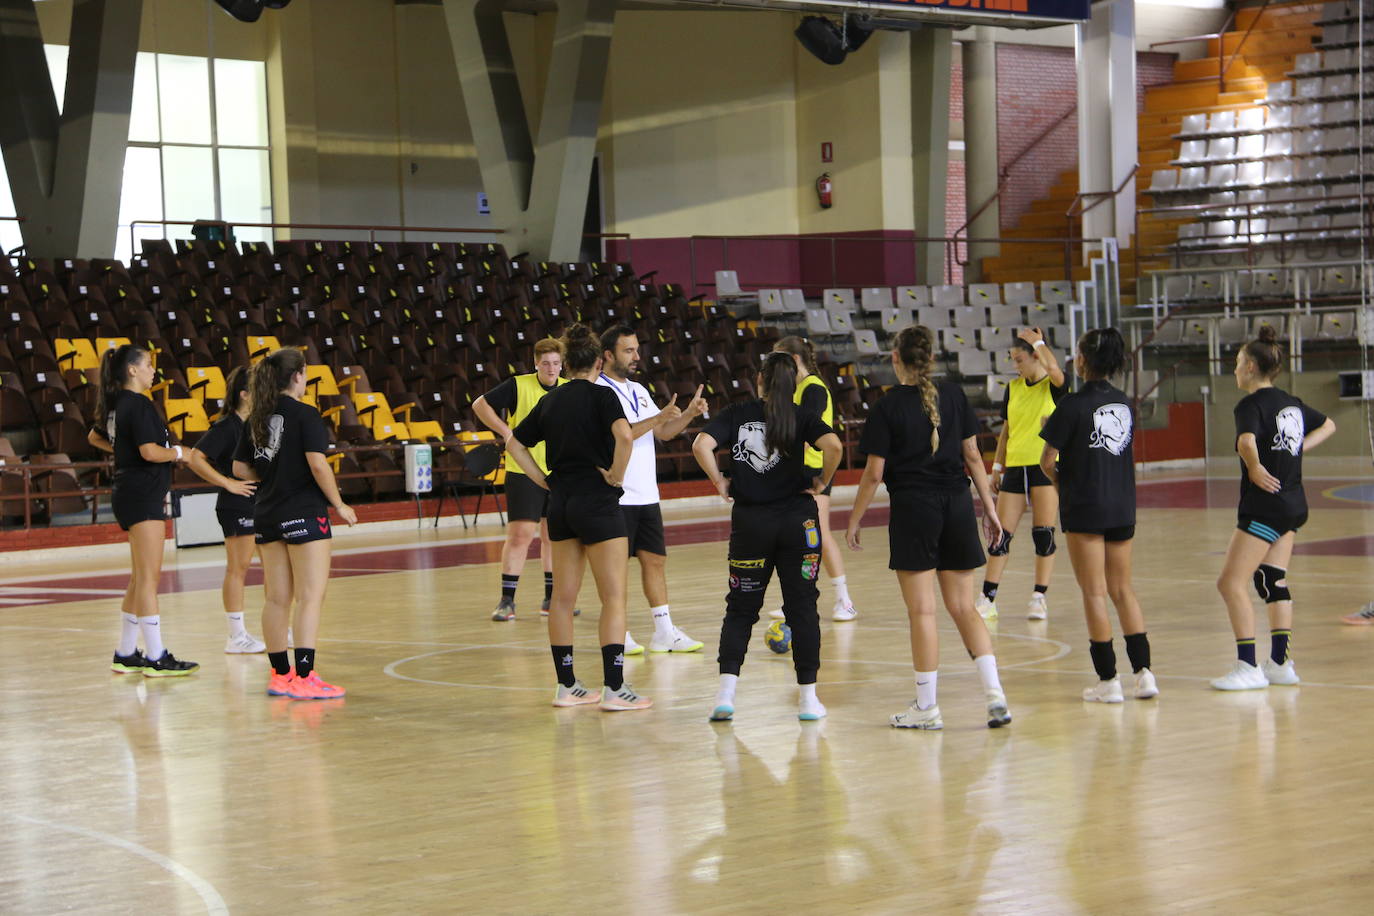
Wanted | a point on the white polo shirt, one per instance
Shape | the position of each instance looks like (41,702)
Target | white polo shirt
(641,477)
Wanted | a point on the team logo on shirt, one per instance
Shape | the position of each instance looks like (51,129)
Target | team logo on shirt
(110,427)
(813,537)
(751,446)
(1111,428)
(1289,437)
(275,424)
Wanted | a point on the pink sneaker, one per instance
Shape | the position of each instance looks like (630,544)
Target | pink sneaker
(312,688)
(279,685)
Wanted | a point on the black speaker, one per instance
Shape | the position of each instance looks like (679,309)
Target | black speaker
(821,37)
(242,10)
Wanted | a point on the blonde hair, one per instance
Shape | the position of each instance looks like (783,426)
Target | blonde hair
(915,348)
(548,345)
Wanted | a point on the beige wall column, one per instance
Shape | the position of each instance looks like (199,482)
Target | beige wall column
(980,148)
(930,82)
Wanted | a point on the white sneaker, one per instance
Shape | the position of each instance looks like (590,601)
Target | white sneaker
(986,607)
(724,710)
(843,610)
(624,698)
(777,614)
(632,647)
(928,719)
(998,714)
(811,710)
(1283,675)
(244,644)
(576,695)
(1145,686)
(1039,608)
(1364,617)
(1104,692)
(1244,676)
(676,641)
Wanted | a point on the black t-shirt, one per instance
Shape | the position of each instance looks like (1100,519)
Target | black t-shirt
(816,399)
(1093,430)
(1279,422)
(574,422)
(898,431)
(504,397)
(286,488)
(218,446)
(758,476)
(134,421)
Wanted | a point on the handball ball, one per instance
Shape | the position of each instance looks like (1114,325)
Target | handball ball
(778,637)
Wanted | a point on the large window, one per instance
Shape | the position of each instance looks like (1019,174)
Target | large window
(197,148)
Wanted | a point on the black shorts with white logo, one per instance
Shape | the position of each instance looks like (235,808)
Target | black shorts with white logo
(1021,479)
(644,525)
(933,529)
(526,501)
(591,514)
(234,524)
(296,530)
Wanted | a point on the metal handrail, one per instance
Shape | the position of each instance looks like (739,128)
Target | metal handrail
(1099,196)
(371,230)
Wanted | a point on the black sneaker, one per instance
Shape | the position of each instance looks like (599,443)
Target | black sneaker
(167,666)
(505,610)
(128,664)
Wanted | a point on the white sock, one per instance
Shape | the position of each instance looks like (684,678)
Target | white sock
(151,628)
(808,693)
(663,621)
(925,689)
(725,695)
(128,633)
(987,671)
(841,589)
(235,620)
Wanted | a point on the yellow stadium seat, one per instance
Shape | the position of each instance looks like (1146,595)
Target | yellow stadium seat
(426,430)
(385,432)
(259,346)
(109,343)
(76,353)
(472,439)
(206,383)
(189,413)
(319,381)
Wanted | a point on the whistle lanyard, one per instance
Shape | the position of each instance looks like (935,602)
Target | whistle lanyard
(627,398)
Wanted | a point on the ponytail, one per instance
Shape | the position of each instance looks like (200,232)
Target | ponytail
(915,348)
(269,378)
(799,346)
(114,374)
(779,412)
(234,387)
(1264,351)
(1104,352)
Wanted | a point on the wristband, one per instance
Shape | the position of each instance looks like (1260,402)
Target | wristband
(177,449)
(997,467)
(1039,343)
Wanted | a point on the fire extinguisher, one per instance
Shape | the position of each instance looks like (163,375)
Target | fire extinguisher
(825,190)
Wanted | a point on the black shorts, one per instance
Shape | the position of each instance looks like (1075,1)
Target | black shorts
(933,529)
(234,524)
(644,526)
(297,530)
(816,472)
(589,514)
(1110,535)
(1270,528)
(131,509)
(1021,479)
(526,501)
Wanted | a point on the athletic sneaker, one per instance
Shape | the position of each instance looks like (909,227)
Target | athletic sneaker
(928,719)
(544,609)
(1364,617)
(1283,675)
(1145,686)
(1039,608)
(311,687)
(998,713)
(632,647)
(244,644)
(505,609)
(576,695)
(811,711)
(1104,692)
(279,685)
(777,614)
(677,641)
(986,607)
(128,664)
(167,666)
(1243,676)
(843,610)
(624,698)
(723,712)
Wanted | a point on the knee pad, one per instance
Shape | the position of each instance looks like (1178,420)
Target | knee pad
(1002,547)
(1044,540)
(1267,579)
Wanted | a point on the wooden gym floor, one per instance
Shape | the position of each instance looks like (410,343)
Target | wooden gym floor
(445,783)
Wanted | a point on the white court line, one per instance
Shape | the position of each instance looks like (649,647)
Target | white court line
(43,590)
(214,903)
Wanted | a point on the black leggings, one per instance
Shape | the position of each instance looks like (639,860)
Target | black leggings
(785,537)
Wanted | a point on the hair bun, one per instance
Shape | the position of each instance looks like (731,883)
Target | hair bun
(1268,334)
(578,333)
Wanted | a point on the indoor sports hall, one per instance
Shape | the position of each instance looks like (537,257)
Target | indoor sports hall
(315,255)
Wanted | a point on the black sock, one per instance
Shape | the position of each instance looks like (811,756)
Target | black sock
(562,665)
(1138,651)
(508,584)
(990,590)
(1245,650)
(1104,659)
(613,664)
(1040,589)
(1278,645)
(548,586)
(281,664)
(305,662)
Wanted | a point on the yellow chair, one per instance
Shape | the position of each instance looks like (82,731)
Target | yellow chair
(103,344)
(75,353)
(188,412)
(385,432)
(319,381)
(373,410)
(426,430)
(473,439)
(260,346)
(206,383)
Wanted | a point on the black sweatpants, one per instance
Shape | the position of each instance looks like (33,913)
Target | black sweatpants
(785,537)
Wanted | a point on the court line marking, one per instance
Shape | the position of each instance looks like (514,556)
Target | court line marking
(214,903)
